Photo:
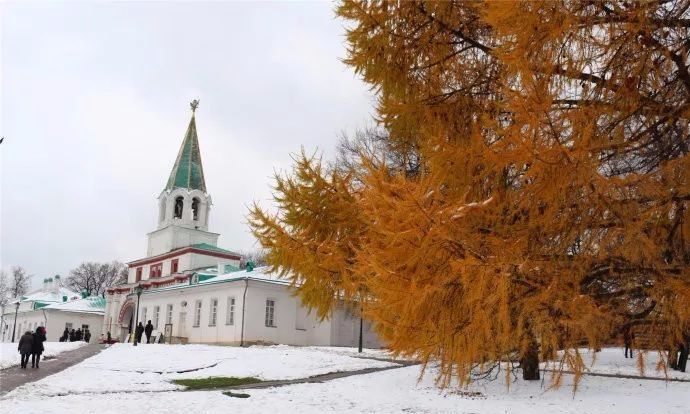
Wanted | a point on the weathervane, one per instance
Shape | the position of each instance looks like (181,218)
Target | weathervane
(194,104)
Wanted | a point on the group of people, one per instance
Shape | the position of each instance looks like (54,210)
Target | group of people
(72,335)
(32,344)
(140,329)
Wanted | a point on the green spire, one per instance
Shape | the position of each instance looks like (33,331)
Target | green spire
(187,171)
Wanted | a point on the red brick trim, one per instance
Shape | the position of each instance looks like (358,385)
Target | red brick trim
(184,250)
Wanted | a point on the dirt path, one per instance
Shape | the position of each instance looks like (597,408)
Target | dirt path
(13,377)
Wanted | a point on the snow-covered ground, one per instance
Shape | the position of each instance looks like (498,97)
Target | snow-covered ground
(9,355)
(397,390)
(612,361)
(125,368)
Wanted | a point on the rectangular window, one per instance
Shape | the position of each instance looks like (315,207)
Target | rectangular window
(139,270)
(156,314)
(168,314)
(68,326)
(197,313)
(155,270)
(85,328)
(173,265)
(270,313)
(230,316)
(213,315)
(143,315)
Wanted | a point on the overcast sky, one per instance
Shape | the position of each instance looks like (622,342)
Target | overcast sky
(95,102)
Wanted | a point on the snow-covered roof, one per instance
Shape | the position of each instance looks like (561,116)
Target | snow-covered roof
(262,273)
(210,276)
(49,295)
(91,304)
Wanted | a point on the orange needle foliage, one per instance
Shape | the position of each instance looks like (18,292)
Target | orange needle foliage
(551,207)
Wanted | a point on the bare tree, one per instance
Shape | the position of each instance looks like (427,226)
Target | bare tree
(258,257)
(375,144)
(20,282)
(4,289)
(94,277)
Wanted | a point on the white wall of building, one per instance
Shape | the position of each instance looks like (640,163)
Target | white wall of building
(54,322)
(293,325)
(174,237)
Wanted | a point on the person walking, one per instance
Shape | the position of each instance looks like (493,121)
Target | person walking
(78,336)
(87,336)
(72,335)
(148,330)
(65,335)
(628,338)
(25,347)
(139,331)
(37,346)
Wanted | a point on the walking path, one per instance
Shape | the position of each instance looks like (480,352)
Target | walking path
(13,377)
(624,376)
(316,378)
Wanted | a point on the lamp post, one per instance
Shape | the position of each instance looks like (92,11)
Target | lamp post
(16,310)
(137,290)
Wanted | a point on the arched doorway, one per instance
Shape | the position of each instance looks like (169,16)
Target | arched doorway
(126,319)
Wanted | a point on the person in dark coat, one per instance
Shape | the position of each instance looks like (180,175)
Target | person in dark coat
(78,335)
(139,331)
(25,347)
(72,336)
(87,336)
(148,330)
(65,335)
(628,338)
(37,346)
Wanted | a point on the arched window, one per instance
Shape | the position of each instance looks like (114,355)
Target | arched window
(162,209)
(179,202)
(195,208)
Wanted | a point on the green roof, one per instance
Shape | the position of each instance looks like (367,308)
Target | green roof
(187,171)
(212,248)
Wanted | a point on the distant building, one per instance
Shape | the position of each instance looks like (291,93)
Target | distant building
(55,308)
(197,288)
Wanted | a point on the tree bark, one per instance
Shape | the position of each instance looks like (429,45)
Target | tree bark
(530,362)
(683,358)
(673,358)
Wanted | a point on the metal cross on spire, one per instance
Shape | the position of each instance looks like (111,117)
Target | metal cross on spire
(194,104)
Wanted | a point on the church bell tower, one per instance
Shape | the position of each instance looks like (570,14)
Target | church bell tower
(184,204)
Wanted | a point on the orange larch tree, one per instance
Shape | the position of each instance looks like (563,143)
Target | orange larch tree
(550,208)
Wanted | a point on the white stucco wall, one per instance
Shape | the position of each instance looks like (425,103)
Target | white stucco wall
(174,237)
(293,324)
(54,322)
(345,330)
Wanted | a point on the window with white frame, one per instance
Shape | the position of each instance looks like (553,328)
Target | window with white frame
(213,314)
(197,313)
(156,316)
(230,316)
(168,313)
(143,315)
(270,319)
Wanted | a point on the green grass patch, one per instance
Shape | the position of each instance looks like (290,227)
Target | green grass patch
(236,394)
(215,382)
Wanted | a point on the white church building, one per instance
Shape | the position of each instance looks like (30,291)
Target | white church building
(194,291)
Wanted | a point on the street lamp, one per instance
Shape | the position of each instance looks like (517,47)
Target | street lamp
(16,310)
(138,291)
